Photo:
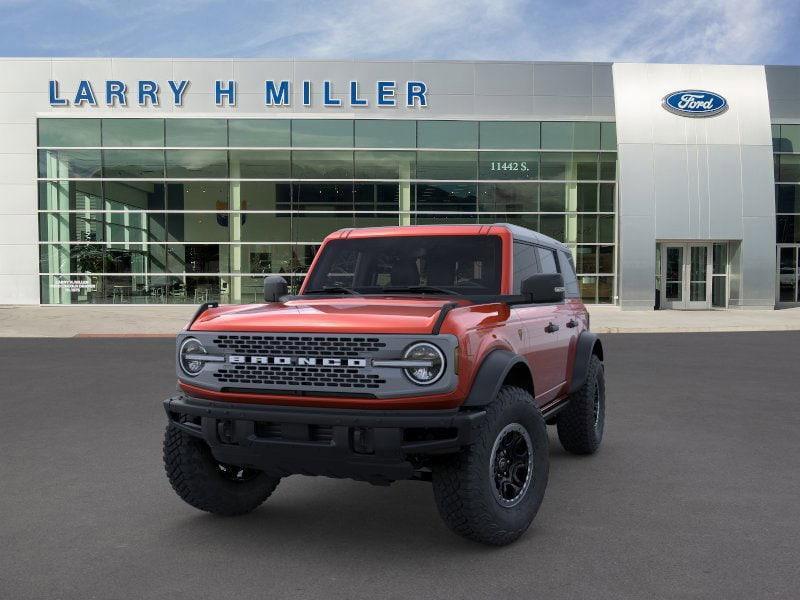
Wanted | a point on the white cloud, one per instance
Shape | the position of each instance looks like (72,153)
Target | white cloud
(716,31)
(735,31)
(409,28)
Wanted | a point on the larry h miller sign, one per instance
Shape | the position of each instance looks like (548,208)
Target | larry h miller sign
(276,93)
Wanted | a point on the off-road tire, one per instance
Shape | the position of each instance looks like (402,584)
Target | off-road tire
(464,483)
(198,479)
(580,429)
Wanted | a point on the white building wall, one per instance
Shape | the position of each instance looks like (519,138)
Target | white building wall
(695,178)
(21,96)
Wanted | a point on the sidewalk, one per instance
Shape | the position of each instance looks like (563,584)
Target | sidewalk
(144,321)
(610,319)
(72,321)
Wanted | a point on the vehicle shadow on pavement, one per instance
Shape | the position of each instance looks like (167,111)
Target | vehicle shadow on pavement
(319,510)
(316,511)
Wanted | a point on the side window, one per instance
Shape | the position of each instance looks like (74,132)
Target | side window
(525,264)
(547,259)
(568,270)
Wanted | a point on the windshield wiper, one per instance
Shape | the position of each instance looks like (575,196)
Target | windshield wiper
(334,289)
(420,289)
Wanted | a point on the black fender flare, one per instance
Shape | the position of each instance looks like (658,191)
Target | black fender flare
(491,375)
(588,344)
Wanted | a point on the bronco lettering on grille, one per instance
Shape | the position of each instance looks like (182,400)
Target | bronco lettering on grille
(300,361)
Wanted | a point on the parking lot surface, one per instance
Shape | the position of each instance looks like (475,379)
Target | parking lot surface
(694,493)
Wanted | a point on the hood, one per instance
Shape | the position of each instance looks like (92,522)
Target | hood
(328,315)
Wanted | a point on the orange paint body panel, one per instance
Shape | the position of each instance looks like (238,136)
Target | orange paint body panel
(479,328)
(348,314)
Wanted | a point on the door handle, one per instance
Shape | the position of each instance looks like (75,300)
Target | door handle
(551,327)
(572,323)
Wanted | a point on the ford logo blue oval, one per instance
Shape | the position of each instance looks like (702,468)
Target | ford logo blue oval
(695,103)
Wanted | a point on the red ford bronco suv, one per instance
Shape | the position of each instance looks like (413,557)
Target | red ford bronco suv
(435,353)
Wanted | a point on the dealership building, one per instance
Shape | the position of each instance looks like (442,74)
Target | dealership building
(160,181)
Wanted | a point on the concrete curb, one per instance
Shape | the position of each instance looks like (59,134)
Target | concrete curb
(142,321)
(733,329)
(602,330)
(124,335)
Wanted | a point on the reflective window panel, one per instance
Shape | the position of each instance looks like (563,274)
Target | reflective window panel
(197,133)
(179,210)
(259,133)
(322,133)
(69,164)
(130,133)
(385,164)
(197,164)
(382,133)
(260,164)
(68,133)
(447,165)
(322,164)
(508,197)
(451,197)
(509,134)
(447,134)
(132,164)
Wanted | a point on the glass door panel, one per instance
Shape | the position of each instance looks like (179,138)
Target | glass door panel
(698,276)
(674,274)
(719,275)
(698,269)
(686,275)
(787,274)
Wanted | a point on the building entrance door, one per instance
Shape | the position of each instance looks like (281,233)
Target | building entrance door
(686,272)
(788,274)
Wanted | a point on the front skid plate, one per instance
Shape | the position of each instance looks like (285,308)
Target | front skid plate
(376,446)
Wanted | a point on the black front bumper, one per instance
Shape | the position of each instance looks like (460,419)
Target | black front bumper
(371,445)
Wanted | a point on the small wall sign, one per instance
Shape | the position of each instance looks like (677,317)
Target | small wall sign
(695,103)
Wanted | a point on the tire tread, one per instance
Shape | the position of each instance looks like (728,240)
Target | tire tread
(187,460)
(462,501)
(575,424)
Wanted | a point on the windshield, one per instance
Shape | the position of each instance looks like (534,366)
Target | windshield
(464,264)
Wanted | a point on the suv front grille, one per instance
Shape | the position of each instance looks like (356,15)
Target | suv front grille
(342,364)
(306,345)
(294,376)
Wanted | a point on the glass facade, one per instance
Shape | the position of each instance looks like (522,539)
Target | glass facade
(192,210)
(786,148)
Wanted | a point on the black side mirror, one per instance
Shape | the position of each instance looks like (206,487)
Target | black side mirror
(275,286)
(544,288)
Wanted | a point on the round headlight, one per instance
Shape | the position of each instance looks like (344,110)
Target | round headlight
(190,356)
(425,353)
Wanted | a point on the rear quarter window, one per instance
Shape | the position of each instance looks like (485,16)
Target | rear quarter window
(547,260)
(568,271)
(525,264)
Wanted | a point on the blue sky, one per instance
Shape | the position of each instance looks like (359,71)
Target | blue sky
(713,31)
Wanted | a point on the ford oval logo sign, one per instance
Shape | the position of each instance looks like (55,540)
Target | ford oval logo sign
(695,103)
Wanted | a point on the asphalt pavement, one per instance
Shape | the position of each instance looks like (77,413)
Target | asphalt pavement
(694,493)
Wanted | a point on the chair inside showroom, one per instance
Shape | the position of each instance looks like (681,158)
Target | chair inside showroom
(202,293)
(177,291)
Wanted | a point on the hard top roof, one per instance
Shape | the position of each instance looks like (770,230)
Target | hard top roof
(521,234)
